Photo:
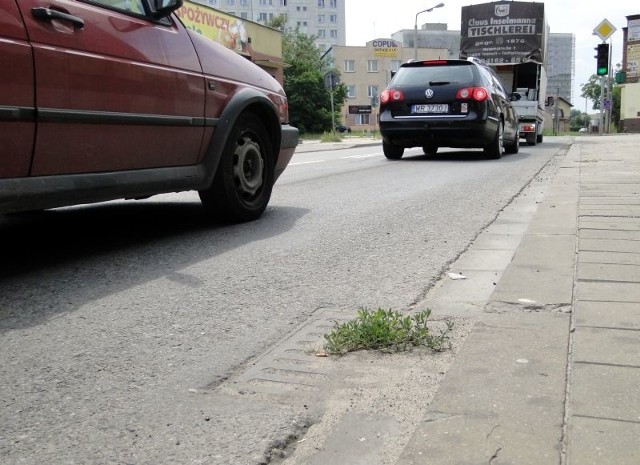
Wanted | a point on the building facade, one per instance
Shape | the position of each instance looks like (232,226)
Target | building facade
(256,42)
(324,19)
(366,71)
(630,76)
(561,59)
(430,35)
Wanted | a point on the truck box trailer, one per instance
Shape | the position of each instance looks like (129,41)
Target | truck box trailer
(512,38)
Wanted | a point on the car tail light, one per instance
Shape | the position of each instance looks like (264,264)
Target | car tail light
(391,95)
(476,93)
(435,62)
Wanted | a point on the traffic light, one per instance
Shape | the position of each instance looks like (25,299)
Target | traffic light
(602,60)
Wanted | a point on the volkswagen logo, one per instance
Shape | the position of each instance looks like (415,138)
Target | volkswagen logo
(428,93)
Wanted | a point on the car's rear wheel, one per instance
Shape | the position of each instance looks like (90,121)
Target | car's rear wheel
(539,138)
(496,148)
(392,152)
(430,149)
(242,185)
(515,147)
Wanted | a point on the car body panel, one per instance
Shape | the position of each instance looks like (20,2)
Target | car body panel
(85,116)
(101,104)
(17,100)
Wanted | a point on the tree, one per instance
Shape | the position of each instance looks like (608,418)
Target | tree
(309,100)
(592,90)
(578,120)
(277,22)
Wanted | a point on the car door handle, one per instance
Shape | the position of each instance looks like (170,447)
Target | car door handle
(47,14)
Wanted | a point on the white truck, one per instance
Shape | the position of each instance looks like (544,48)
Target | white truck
(528,85)
(512,38)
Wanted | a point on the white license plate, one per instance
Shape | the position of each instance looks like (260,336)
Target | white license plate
(430,108)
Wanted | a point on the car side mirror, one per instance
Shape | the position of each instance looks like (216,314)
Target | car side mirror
(163,8)
(549,101)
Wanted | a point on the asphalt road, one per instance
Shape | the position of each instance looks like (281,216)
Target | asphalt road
(123,325)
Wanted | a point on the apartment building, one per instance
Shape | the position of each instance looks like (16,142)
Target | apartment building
(366,71)
(324,19)
(561,54)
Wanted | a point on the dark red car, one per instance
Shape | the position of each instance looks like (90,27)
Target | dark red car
(109,99)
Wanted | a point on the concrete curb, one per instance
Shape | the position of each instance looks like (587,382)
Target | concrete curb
(317,146)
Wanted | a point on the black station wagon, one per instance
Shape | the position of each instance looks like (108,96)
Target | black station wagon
(447,103)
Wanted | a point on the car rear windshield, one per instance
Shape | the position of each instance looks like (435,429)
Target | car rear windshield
(421,75)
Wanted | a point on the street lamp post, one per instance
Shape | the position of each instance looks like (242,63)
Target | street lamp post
(587,121)
(415,29)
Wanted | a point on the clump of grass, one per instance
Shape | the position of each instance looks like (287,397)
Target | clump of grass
(386,330)
(330,137)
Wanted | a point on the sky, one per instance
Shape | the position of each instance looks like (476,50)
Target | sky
(373,19)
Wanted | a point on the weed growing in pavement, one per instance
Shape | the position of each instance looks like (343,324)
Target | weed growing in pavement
(386,330)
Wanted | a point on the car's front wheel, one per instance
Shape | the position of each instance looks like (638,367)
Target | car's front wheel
(496,148)
(392,152)
(242,185)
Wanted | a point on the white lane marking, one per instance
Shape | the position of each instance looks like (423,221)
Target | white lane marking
(306,162)
(363,156)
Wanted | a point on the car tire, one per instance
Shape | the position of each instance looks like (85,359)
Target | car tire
(242,185)
(392,152)
(496,148)
(532,138)
(348,129)
(515,147)
(539,138)
(430,149)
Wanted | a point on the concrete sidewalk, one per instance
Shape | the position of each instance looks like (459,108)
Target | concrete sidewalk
(550,373)
(348,142)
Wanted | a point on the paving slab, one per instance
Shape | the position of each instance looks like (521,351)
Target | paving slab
(606,222)
(608,291)
(462,297)
(508,380)
(608,272)
(610,245)
(616,234)
(595,441)
(608,314)
(490,241)
(616,346)
(358,437)
(621,258)
(541,271)
(605,391)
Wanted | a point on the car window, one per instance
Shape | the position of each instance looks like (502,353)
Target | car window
(411,76)
(486,76)
(129,6)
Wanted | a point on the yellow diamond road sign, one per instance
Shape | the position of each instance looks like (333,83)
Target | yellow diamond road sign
(604,30)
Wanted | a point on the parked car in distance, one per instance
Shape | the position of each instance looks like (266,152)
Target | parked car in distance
(583,130)
(107,100)
(447,103)
(342,128)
